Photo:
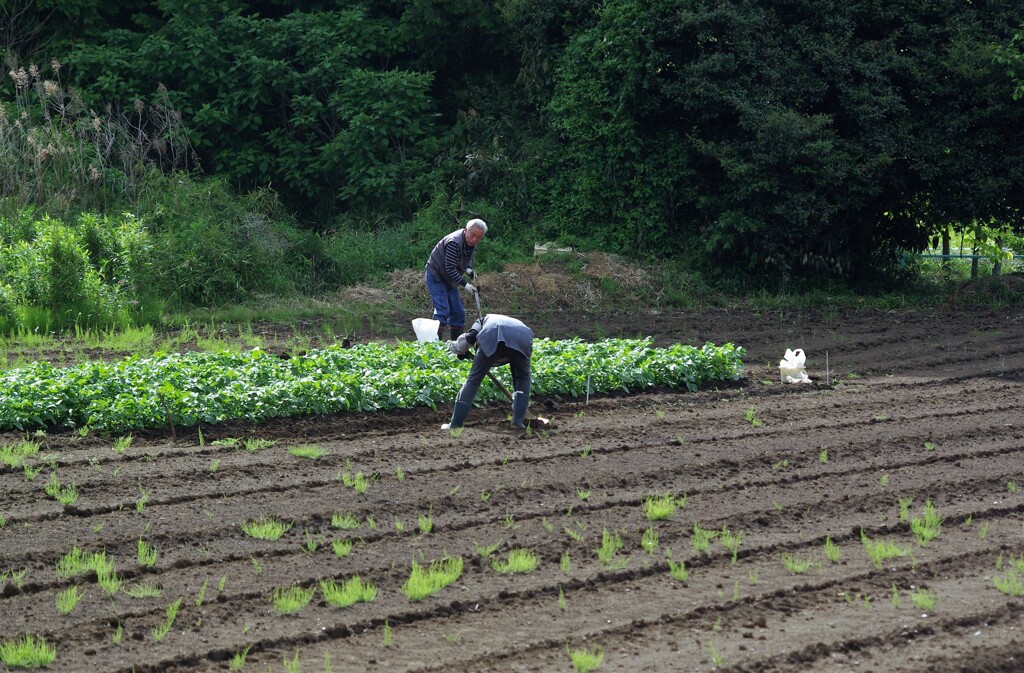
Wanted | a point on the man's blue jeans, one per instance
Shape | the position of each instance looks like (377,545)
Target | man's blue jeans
(448,308)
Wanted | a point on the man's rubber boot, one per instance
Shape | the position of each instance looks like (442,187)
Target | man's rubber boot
(440,332)
(520,401)
(456,331)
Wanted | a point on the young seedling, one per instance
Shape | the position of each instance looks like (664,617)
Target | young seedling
(214,465)
(571,533)
(310,452)
(110,582)
(237,662)
(510,523)
(289,600)
(905,508)
(731,541)
(701,539)
(68,599)
(292,665)
(161,630)
(257,567)
(485,551)
(823,456)
(400,474)
(884,480)
(144,591)
(399,526)
(426,523)
(27,652)
(928,446)
(795,565)
(657,508)
(350,592)
(584,660)
(266,528)
(424,582)
(548,526)
(583,493)
(895,597)
(118,635)
(519,561)
(1009,583)
(254,444)
(927,527)
(65,495)
(587,450)
(341,547)
(386,642)
(345,521)
(202,593)
(1011,486)
(146,553)
(750,415)
(716,658)
(565,563)
(611,543)
(562,603)
(881,551)
(122,443)
(313,542)
(832,550)
(649,540)
(923,599)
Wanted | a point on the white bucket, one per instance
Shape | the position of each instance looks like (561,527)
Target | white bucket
(426,329)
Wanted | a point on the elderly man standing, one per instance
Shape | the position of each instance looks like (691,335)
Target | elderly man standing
(499,340)
(448,267)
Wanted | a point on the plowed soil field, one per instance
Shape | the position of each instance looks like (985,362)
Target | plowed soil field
(914,407)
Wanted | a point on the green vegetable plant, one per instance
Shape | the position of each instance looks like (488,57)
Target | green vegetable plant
(927,527)
(657,508)
(237,662)
(750,415)
(27,652)
(341,547)
(677,570)
(121,443)
(607,553)
(832,550)
(311,452)
(144,590)
(266,528)
(565,563)
(289,600)
(905,508)
(518,561)
(731,541)
(923,599)
(254,444)
(649,540)
(425,523)
(701,539)
(68,599)
(585,660)
(349,592)
(161,630)
(346,521)
(64,494)
(881,551)
(425,581)
(796,565)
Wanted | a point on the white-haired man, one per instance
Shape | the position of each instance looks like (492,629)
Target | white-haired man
(449,267)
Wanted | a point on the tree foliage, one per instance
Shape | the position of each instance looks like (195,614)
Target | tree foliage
(770,138)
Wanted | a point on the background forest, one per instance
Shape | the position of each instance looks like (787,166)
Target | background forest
(182,153)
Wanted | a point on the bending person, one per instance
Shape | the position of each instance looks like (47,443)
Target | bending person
(499,340)
(448,267)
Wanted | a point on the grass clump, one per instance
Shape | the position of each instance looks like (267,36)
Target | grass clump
(832,551)
(611,543)
(147,553)
(424,582)
(350,592)
(345,521)
(161,630)
(27,652)
(584,660)
(311,452)
(701,539)
(796,565)
(923,599)
(657,508)
(76,562)
(290,600)
(68,599)
(518,561)
(881,551)
(928,526)
(64,494)
(649,540)
(145,590)
(266,528)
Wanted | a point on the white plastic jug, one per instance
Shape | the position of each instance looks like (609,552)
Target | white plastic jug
(426,329)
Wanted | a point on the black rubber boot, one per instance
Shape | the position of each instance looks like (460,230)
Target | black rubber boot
(456,331)
(440,332)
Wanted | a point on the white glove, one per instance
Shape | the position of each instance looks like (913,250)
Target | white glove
(470,288)
(460,346)
(471,273)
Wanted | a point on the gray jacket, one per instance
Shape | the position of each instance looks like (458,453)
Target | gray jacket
(495,328)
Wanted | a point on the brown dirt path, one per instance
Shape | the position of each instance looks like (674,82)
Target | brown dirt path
(920,406)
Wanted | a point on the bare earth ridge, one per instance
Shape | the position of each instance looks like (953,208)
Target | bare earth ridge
(921,405)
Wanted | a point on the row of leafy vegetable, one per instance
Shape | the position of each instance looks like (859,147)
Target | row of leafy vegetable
(255,385)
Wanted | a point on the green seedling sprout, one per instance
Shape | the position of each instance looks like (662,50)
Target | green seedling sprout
(255,444)
(118,635)
(927,527)
(289,600)
(731,541)
(266,528)
(895,597)
(795,565)
(923,599)
(202,593)
(341,547)
(583,493)
(657,508)
(649,540)
(562,603)
(122,443)
(881,551)
(144,590)
(823,456)
(565,563)
(485,551)
(237,662)
(832,550)
(68,599)
(424,582)
(27,652)
(584,660)
(161,630)
(611,543)
(350,592)
(400,474)
(701,539)
(345,521)
(519,561)
(310,452)
(146,553)
(426,523)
